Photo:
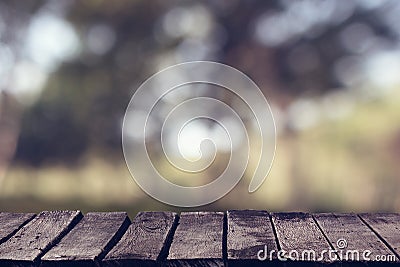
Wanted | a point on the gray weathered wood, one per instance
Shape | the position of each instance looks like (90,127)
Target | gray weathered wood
(387,226)
(298,233)
(145,242)
(10,223)
(198,240)
(37,237)
(89,240)
(351,237)
(249,231)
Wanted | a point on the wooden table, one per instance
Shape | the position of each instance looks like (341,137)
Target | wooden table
(233,238)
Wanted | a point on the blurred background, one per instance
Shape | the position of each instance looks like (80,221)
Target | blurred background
(329,69)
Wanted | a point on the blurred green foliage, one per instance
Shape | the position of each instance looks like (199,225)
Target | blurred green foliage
(302,54)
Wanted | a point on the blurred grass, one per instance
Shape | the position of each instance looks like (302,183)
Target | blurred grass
(346,164)
(349,164)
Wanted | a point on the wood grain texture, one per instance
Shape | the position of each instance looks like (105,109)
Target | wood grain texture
(298,232)
(350,236)
(146,241)
(11,222)
(387,226)
(37,237)
(198,240)
(89,241)
(249,231)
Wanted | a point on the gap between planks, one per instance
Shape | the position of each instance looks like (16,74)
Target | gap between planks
(376,232)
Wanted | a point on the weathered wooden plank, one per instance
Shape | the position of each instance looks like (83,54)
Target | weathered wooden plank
(387,226)
(146,241)
(37,237)
(11,222)
(299,238)
(353,240)
(198,240)
(248,233)
(89,241)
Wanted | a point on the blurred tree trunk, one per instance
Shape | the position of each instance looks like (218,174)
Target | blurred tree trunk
(9,130)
